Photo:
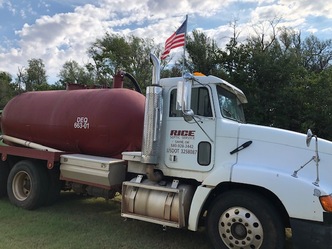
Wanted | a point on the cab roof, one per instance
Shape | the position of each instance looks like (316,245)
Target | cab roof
(205,80)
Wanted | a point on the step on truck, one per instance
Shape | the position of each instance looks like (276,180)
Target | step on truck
(182,157)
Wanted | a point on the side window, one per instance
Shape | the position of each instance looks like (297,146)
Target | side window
(200,103)
(204,153)
(172,108)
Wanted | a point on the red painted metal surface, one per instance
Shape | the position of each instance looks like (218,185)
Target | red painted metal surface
(49,157)
(103,122)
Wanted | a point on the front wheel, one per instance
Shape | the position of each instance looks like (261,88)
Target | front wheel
(244,220)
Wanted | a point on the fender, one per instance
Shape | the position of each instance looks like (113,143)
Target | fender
(298,195)
(200,196)
(216,176)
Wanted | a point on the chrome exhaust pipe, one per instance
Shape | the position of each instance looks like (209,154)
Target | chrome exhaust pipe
(152,117)
(156,69)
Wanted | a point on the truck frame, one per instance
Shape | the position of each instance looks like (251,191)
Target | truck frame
(200,164)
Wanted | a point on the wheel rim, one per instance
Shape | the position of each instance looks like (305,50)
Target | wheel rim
(240,228)
(21,185)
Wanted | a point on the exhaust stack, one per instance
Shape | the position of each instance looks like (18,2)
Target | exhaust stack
(152,117)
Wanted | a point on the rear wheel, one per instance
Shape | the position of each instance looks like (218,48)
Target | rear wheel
(244,220)
(27,185)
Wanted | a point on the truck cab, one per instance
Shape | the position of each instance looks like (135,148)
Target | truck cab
(188,143)
(242,179)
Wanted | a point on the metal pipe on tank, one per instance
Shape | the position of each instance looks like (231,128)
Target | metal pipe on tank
(28,143)
(118,80)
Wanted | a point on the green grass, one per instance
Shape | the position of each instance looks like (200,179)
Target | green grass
(76,222)
(79,222)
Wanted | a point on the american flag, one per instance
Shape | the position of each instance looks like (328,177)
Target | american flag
(176,40)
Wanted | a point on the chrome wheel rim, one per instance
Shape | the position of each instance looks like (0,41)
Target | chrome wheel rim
(240,228)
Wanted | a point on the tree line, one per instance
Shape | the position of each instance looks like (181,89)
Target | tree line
(287,78)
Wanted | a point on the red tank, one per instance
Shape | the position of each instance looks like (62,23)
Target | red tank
(103,122)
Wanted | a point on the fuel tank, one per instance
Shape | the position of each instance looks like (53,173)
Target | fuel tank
(102,122)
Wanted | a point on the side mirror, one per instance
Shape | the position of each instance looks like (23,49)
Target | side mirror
(310,135)
(183,99)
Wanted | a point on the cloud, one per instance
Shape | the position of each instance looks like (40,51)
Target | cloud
(56,38)
(60,37)
(308,7)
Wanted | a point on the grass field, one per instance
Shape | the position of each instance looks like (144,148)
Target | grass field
(79,222)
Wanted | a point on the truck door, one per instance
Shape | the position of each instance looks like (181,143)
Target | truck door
(190,143)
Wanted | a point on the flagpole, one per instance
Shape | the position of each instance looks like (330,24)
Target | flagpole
(184,47)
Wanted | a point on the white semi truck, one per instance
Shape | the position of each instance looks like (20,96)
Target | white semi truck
(196,160)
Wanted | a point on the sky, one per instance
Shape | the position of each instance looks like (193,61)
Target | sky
(57,31)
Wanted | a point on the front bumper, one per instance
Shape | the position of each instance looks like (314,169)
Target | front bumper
(310,234)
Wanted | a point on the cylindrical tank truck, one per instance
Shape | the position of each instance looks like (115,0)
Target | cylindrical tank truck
(178,156)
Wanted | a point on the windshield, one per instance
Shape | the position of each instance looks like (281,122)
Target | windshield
(230,105)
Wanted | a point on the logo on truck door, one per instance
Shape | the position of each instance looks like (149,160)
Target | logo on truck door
(183,133)
(181,142)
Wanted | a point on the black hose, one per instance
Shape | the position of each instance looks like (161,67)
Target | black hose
(134,81)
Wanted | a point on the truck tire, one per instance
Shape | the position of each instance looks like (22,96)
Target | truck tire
(27,185)
(242,219)
(4,172)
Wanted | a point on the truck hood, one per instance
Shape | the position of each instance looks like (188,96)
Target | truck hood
(285,151)
(282,137)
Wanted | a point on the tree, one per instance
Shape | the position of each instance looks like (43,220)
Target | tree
(270,69)
(72,72)
(139,64)
(174,71)
(7,89)
(34,76)
(202,53)
(317,103)
(113,53)
(108,54)
(317,55)
(283,76)
(233,61)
